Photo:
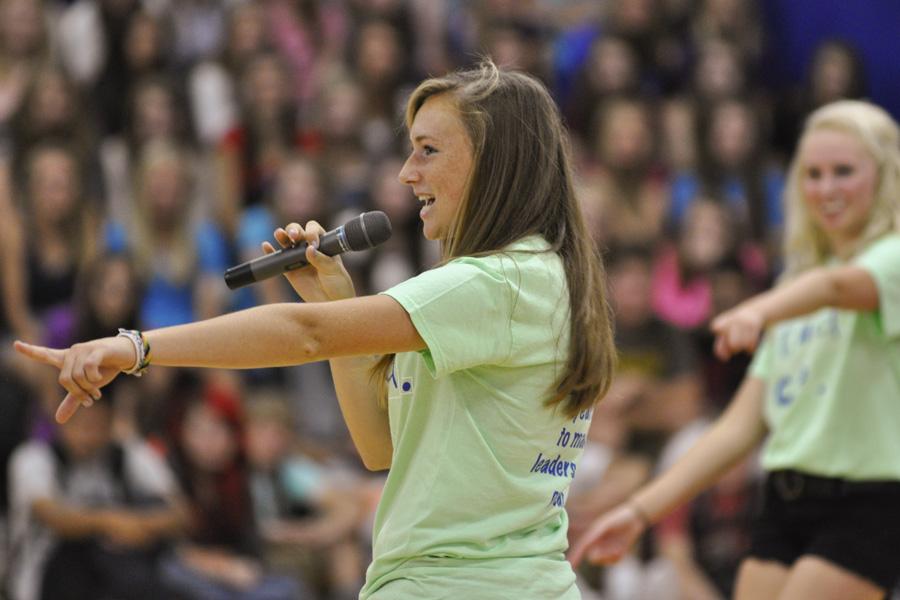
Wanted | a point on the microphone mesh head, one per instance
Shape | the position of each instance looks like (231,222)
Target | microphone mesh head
(367,230)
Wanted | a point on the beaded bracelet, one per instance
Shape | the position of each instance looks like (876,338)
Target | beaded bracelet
(141,350)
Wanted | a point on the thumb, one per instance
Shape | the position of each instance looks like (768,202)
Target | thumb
(48,356)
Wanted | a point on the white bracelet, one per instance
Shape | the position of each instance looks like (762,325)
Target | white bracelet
(141,351)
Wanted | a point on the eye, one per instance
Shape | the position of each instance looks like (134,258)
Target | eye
(844,170)
(813,173)
(428,150)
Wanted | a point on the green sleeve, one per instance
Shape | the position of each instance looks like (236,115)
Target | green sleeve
(882,261)
(463,311)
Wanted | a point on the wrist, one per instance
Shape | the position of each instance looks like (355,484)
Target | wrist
(140,355)
(639,512)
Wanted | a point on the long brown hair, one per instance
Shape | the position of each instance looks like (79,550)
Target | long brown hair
(520,185)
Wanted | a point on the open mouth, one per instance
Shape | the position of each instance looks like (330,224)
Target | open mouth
(427,200)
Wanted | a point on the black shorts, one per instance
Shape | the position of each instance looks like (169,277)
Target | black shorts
(855,525)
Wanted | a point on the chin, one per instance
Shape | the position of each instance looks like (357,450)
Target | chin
(430,234)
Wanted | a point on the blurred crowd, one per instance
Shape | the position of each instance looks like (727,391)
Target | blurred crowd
(147,145)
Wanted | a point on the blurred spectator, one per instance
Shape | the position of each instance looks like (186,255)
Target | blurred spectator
(611,70)
(107,294)
(708,241)
(639,23)
(835,72)
(297,196)
(221,560)
(45,242)
(305,501)
(343,153)
(736,21)
(384,73)
(657,382)
(709,268)
(105,298)
(516,45)
(180,257)
(15,408)
(633,190)
(250,155)
(51,110)
(24,44)
(679,146)
(720,72)
(313,38)
(734,166)
(90,516)
(136,47)
(154,113)
(199,30)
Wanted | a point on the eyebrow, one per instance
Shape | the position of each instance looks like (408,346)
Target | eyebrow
(419,138)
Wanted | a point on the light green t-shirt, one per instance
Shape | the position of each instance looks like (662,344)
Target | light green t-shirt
(833,380)
(473,504)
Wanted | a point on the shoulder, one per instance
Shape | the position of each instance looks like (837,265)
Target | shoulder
(32,472)
(32,453)
(139,454)
(146,467)
(886,245)
(527,262)
(881,258)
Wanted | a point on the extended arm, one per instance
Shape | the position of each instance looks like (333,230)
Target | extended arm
(847,287)
(272,335)
(734,434)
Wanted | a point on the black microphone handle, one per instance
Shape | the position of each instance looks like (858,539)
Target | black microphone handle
(286,259)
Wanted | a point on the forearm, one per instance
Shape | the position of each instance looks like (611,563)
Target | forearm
(67,522)
(288,334)
(366,420)
(738,431)
(265,336)
(165,522)
(846,287)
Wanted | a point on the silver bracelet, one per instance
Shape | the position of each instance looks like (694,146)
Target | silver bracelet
(141,351)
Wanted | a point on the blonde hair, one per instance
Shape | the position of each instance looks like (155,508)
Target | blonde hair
(521,184)
(182,256)
(805,245)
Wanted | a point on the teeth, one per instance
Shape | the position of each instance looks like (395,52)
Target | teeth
(428,200)
(833,206)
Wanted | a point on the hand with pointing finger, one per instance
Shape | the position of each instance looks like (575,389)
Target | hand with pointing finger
(325,278)
(83,368)
(737,330)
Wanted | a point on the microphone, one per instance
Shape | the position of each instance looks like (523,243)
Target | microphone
(365,231)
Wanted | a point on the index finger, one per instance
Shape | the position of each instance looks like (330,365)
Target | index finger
(314,231)
(48,356)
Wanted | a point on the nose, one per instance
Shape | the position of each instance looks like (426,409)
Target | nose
(826,185)
(408,174)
